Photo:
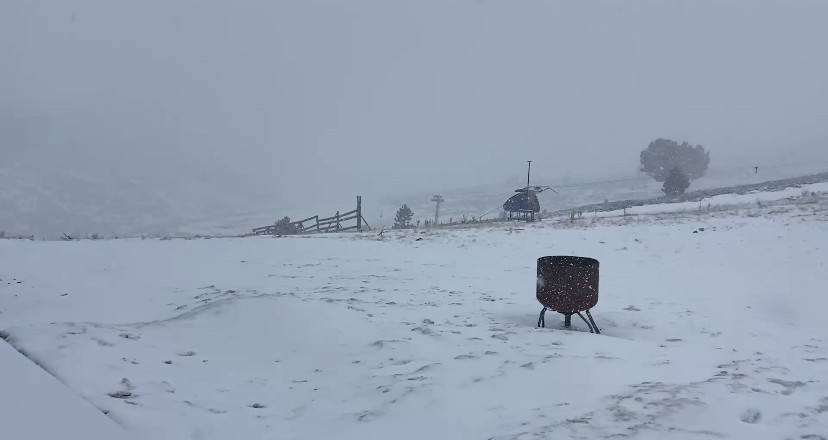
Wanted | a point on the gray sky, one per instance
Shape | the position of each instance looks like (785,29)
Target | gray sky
(373,97)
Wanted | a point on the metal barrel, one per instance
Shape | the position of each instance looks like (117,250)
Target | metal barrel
(567,284)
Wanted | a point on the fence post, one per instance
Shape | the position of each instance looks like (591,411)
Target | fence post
(359,213)
(337,220)
(317,222)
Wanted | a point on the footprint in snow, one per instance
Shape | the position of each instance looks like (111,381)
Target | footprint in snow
(425,331)
(751,416)
(381,342)
(425,368)
(121,395)
(367,416)
(789,385)
(127,384)
(552,356)
(168,388)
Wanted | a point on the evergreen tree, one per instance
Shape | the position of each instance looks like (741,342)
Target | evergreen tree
(676,182)
(285,227)
(403,217)
(662,155)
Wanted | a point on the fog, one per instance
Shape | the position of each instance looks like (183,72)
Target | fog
(237,101)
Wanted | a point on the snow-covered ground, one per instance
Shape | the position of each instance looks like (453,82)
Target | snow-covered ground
(713,326)
(796,195)
(35,406)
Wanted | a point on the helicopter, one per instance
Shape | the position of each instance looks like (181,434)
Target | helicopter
(523,206)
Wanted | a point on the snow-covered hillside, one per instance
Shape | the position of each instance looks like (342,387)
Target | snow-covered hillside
(712,327)
(48,201)
(487,199)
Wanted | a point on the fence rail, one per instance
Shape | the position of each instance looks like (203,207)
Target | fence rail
(312,225)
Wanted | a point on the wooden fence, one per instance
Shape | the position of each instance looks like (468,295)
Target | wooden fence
(312,225)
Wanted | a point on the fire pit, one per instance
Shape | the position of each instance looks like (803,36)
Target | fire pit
(569,286)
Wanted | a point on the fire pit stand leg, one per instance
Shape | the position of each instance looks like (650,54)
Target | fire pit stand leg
(593,322)
(587,323)
(593,327)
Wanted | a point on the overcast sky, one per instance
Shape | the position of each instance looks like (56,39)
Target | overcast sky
(381,96)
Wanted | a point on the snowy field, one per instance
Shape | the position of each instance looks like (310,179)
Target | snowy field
(728,202)
(713,326)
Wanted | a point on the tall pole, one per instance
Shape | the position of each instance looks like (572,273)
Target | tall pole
(438,200)
(359,213)
(528,201)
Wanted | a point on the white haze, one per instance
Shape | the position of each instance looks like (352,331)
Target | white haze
(150,114)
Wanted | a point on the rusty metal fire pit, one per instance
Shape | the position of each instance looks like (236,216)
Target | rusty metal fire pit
(569,286)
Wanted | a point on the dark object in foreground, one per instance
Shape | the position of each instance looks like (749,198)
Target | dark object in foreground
(568,285)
